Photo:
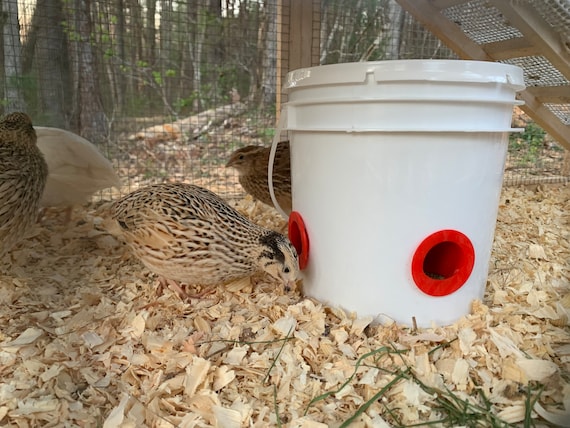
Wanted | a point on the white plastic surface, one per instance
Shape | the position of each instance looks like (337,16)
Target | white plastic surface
(369,198)
(415,70)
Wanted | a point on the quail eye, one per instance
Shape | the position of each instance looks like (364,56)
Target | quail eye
(286,270)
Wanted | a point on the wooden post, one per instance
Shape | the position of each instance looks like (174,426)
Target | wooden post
(298,40)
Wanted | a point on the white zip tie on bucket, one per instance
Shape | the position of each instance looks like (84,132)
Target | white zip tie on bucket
(276,138)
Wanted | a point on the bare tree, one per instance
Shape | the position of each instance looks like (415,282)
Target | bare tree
(134,40)
(394,33)
(198,20)
(162,69)
(329,29)
(214,32)
(149,33)
(13,94)
(89,114)
(111,42)
(52,63)
(269,53)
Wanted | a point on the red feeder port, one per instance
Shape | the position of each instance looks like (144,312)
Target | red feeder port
(443,262)
(299,238)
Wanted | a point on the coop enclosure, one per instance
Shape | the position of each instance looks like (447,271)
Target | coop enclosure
(168,89)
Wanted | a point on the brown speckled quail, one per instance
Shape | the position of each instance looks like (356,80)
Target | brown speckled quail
(188,234)
(251,163)
(23,173)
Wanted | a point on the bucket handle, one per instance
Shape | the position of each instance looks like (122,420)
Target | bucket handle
(273,151)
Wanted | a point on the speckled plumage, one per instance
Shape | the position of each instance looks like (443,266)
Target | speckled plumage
(251,163)
(188,234)
(23,173)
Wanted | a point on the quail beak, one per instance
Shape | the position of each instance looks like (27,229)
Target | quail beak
(290,285)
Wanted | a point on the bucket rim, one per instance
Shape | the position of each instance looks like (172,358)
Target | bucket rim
(426,70)
(391,99)
(404,131)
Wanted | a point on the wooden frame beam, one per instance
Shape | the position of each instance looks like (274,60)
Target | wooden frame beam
(537,31)
(444,4)
(546,119)
(448,32)
(298,42)
(539,38)
(550,94)
(512,48)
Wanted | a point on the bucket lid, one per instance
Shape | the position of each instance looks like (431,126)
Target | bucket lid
(408,70)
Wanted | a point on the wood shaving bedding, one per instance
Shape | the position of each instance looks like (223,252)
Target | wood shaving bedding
(86,341)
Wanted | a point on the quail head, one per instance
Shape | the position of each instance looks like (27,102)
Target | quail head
(23,173)
(251,163)
(188,234)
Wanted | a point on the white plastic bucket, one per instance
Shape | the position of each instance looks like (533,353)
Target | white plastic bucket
(397,170)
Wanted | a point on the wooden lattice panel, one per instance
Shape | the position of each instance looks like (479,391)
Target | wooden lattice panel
(533,34)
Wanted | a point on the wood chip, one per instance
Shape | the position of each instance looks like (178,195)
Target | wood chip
(85,337)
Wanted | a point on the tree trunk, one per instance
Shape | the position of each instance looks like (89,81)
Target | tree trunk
(121,52)
(166,50)
(52,64)
(89,114)
(269,55)
(13,93)
(196,17)
(150,32)
(214,35)
(134,40)
(328,31)
(395,19)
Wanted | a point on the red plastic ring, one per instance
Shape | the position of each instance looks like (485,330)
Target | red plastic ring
(299,238)
(443,262)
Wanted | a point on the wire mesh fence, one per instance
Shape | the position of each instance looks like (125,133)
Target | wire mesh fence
(168,89)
